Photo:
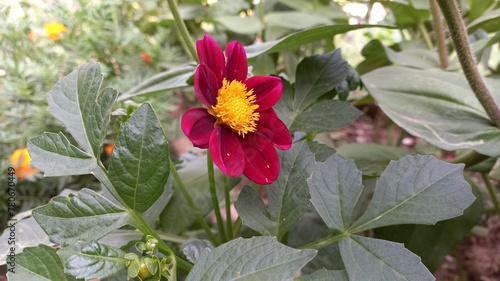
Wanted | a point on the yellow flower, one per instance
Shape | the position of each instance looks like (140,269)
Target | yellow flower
(54,30)
(20,160)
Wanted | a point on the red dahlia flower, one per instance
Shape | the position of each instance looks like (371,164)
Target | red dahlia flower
(238,124)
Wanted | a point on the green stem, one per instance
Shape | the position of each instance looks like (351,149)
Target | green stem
(470,158)
(425,34)
(183,29)
(439,31)
(461,272)
(213,194)
(261,16)
(229,225)
(402,135)
(183,265)
(492,191)
(323,242)
(237,227)
(460,40)
(195,210)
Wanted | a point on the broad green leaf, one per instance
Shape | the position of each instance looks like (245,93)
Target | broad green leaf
(489,22)
(289,19)
(258,258)
(416,58)
(253,212)
(39,263)
(193,248)
(406,13)
(289,196)
(416,189)
(303,37)
(325,275)
(92,260)
(246,25)
(321,152)
(86,216)
(317,75)
(477,8)
(139,165)
(374,259)
(78,103)
(434,242)
(330,10)
(335,186)
(163,81)
(442,109)
(54,155)
(371,158)
(177,215)
(325,116)
(28,234)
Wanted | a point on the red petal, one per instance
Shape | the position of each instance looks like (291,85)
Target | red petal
(198,125)
(267,90)
(262,164)
(274,129)
(210,53)
(236,66)
(226,151)
(206,86)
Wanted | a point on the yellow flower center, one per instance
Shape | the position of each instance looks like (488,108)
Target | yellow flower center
(236,107)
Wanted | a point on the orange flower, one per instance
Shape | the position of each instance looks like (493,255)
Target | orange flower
(145,57)
(31,34)
(20,160)
(109,148)
(54,30)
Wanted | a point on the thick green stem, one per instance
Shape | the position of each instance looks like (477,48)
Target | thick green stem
(191,204)
(492,191)
(261,16)
(439,32)
(183,29)
(425,34)
(213,194)
(470,158)
(229,224)
(458,34)
(323,242)
(237,227)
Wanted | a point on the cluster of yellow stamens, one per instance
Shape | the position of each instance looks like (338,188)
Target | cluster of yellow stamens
(236,107)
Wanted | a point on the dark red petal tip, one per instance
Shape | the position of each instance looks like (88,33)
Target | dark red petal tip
(236,66)
(262,163)
(274,129)
(226,151)
(267,90)
(210,53)
(198,126)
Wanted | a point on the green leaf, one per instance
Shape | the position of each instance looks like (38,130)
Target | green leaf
(371,158)
(478,7)
(77,102)
(303,37)
(325,275)
(92,260)
(163,81)
(177,215)
(289,196)
(325,116)
(193,248)
(317,75)
(139,165)
(289,19)
(489,22)
(443,96)
(405,13)
(321,152)
(56,156)
(246,25)
(335,186)
(416,189)
(252,210)
(434,242)
(39,263)
(86,216)
(258,258)
(373,259)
